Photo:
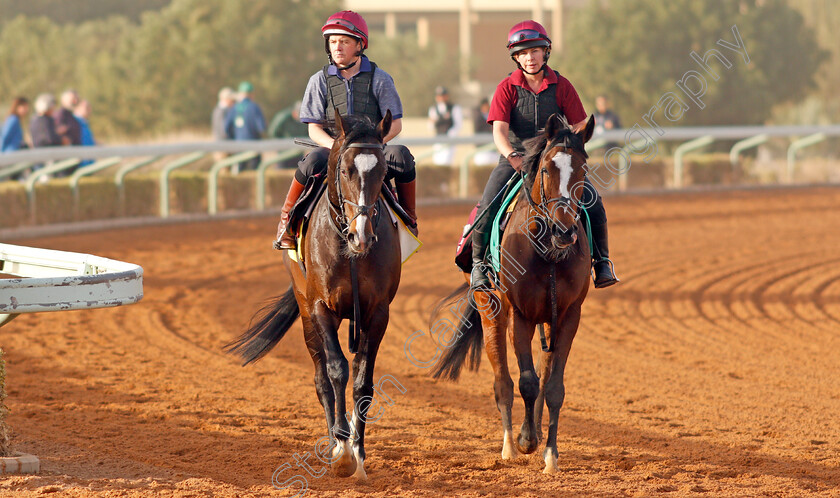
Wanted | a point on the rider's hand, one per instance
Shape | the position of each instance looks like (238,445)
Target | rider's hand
(515,160)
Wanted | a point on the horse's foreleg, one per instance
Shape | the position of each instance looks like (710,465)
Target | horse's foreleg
(343,462)
(555,390)
(529,385)
(363,390)
(495,344)
(546,359)
(323,386)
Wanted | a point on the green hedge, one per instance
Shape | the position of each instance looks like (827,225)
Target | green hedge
(99,197)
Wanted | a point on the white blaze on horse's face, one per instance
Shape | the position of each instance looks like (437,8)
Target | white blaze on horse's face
(564,164)
(365,163)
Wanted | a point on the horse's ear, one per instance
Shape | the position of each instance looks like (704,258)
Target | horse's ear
(384,126)
(339,123)
(586,133)
(553,125)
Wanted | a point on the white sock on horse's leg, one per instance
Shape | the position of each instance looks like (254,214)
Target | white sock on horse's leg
(509,451)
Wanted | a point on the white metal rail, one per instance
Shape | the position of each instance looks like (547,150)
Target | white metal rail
(59,280)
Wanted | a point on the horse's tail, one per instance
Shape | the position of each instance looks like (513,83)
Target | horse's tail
(273,320)
(469,338)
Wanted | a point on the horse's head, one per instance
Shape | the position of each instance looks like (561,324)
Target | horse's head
(356,171)
(555,169)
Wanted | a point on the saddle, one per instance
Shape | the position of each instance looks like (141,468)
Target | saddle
(315,187)
(463,253)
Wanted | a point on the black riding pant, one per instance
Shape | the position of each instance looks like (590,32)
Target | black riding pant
(398,157)
(491,200)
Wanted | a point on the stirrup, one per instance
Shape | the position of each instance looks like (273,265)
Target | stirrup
(278,242)
(608,281)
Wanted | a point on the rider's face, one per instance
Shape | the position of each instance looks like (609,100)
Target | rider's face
(531,59)
(344,49)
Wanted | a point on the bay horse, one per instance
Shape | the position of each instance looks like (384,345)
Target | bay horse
(545,267)
(352,271)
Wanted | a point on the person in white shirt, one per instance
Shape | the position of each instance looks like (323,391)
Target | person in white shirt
(445,118)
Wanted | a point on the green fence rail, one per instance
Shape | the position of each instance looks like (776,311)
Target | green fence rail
(164,178)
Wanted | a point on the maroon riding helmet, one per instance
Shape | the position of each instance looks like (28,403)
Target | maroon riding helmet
(528,34)
(348,23)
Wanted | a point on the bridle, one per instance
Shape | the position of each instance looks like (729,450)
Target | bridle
(337,215)
(340,223)
(541,210)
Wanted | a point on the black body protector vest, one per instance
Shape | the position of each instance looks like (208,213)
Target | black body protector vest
(443,122)
(364,101)
(531,113)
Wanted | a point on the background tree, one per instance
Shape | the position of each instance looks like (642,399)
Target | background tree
(416,71)
(635,51)
(66,11)
(822,17)
(163,73)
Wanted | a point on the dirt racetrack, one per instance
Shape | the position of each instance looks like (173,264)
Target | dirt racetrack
(712,369)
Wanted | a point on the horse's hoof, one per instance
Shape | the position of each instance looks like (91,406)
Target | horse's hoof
(360,474)
(508,448)
(526,446)
(344,463)
(550,463)
(508,453)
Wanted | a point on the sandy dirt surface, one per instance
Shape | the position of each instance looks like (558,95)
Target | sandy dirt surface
(712,369)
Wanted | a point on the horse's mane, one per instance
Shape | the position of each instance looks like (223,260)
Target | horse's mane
(358,129)
(534,148)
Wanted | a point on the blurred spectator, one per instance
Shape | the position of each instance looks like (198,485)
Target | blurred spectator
(445,119)
(605,118)
(286,124)
(66,125)
(245,122)
(480,117)
(480,113)
(226,99)
(42,126)
(82,114)
(11,137)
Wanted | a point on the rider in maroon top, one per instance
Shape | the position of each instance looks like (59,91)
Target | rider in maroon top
(521,106)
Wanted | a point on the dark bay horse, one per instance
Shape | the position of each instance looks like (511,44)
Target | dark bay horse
(544,278)
(350,238)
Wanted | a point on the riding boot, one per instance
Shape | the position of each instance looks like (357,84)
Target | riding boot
(407,197)
(478,275)
(604,271)
(285,238)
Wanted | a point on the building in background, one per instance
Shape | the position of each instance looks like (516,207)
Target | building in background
(476,29)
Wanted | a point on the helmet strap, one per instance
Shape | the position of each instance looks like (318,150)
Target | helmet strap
(359,54)
(541,69)
(538,71)
(348,66)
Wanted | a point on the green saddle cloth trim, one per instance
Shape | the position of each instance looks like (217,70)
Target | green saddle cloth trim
(496,233)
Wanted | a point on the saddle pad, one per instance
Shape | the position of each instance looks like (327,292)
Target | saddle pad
(498,229)
(495,228)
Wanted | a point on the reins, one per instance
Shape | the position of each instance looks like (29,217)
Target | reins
(547,345)
(340,223)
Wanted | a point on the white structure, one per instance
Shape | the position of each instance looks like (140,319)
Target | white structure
(478,28)
(58,280)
